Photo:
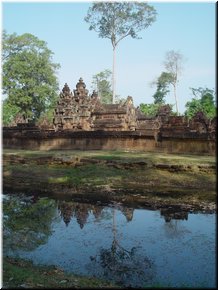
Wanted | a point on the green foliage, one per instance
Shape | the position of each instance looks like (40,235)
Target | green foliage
(203,101)
(159,96)
(19,273)
(117,20)
(9,113)
(102,85)
(150,110)
(26,225)
(162,83)
(29,79)
(46,119)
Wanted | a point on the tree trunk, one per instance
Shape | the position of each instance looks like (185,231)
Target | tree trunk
(114,225)
(113,74)
(174,88)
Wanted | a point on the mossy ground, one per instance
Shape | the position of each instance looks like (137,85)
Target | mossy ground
(126,176)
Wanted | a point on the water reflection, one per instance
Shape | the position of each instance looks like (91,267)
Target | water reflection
(81,211)
(133,247)
(126,266)
(171,213)
(26,222)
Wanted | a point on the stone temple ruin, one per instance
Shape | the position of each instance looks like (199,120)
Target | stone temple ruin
(81,121)
(78,111)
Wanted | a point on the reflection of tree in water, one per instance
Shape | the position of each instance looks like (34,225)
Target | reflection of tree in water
(26,222)
(173,227)
(127,267)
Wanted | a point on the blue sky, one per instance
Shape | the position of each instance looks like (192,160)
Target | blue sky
(187,27)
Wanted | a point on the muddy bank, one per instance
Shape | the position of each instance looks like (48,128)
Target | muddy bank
(143,180)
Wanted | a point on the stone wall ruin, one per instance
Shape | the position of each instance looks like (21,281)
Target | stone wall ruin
(79,111)
(82,122)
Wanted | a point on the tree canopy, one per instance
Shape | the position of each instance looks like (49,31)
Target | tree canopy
(117,20)
(162,83)
(102,85)
(150,110)
(203,101)
(29,80)
(173,65)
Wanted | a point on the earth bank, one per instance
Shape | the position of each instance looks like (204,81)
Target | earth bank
(141,179)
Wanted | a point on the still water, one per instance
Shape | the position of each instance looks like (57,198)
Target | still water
(132,247)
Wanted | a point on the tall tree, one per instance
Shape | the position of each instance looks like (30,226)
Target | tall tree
(29,80)
(162,83)
(173,65)
(102,85)
(203,101)
(117,20)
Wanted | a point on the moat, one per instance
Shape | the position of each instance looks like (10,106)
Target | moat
(126,245)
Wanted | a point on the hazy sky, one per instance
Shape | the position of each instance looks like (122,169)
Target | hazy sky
(187,27)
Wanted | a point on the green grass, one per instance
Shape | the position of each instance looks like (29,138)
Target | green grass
(120,155)
(19,273)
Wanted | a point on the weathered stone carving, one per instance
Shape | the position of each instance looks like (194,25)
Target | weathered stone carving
(78,111)
(74,110)
(199,123)
(83,122)
(82,112)
(115,117)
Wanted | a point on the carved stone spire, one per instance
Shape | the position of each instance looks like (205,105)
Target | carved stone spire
(66,89)
(81,89)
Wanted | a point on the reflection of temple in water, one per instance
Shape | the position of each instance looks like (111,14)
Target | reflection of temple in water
(81,212)
(66,212)
(97,210)
(128,213)
(171,213)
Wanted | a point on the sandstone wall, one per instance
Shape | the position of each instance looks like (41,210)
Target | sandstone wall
(107,141)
